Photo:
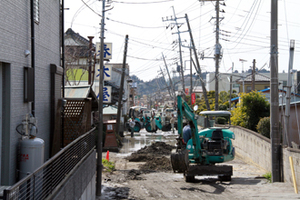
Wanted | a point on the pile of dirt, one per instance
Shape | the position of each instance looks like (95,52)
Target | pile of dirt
(157,148)
(157,164)
(154,156)
(150,152)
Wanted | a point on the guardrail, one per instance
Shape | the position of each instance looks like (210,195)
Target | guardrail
(45,181)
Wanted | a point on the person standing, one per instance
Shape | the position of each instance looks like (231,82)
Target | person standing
(187,132)
(172,121)
(131,125)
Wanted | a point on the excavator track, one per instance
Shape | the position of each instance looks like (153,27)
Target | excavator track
(179,160)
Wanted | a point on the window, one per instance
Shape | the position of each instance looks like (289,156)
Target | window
(36,11)
(249,89)
(284,83)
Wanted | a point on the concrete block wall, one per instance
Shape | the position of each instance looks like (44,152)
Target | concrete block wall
(255,148)
(295,154)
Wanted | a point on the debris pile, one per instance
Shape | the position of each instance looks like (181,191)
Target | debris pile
(154,156)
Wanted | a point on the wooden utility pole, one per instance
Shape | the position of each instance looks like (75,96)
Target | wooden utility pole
(275,134)
(198,69)
(90,59)
(121,86)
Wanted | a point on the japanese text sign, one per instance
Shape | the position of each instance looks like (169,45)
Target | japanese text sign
(107,71)
(107,50)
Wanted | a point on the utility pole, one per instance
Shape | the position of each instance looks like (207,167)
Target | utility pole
(198,69)
(171,83)
(179,40)
(253,76)
(90,59)
(288,95)
(165,82)
(121,86)
(230,87)
(100,107)
(275,134)
(217,56)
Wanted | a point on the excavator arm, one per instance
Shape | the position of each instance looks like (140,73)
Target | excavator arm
(183,110)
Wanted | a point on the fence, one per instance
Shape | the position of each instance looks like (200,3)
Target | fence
(45,181)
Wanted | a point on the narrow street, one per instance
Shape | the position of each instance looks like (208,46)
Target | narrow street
(129,181)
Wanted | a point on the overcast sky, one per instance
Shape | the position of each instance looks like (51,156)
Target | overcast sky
(244,32)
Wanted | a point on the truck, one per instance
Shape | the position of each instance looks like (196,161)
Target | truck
(206,151)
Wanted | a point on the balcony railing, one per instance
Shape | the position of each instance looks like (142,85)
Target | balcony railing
(45,181)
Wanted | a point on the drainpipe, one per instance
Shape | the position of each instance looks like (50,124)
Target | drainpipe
(63,46)
(63,66)
(32,54)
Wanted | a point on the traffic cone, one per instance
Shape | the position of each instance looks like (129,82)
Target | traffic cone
(107,156)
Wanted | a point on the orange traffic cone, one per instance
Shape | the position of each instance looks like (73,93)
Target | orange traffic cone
(107,156)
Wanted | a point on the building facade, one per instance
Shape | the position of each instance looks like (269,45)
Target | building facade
(21,44)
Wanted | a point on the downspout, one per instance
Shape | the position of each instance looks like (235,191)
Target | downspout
(63,66)
(32,54)
(63,46)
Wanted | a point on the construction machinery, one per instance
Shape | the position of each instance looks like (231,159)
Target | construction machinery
(207,149)
(143,119)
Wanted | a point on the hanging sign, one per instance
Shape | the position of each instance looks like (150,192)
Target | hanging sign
(193,96)
(107,50)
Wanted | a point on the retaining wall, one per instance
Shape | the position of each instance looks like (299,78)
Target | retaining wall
(255,148)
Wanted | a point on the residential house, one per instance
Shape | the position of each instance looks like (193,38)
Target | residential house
(30,76)
(237,81)
(260,82)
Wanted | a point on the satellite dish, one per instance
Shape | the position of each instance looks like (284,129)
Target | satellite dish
(195,107)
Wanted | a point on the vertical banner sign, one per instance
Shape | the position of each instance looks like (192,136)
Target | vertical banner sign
(107,50)
(106,94)
(107,71)
(193,96)
(187,91)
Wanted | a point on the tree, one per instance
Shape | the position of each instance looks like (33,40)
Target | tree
(252,107)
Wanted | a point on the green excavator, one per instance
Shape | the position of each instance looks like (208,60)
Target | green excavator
(206,149)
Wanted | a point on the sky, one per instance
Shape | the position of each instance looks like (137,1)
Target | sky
(149,24)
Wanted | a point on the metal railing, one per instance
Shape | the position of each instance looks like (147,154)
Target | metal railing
(45,181)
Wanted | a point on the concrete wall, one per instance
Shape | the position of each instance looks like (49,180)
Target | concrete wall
(82,183)
(255,148)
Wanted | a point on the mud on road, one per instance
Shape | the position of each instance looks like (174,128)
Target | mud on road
(147,174)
